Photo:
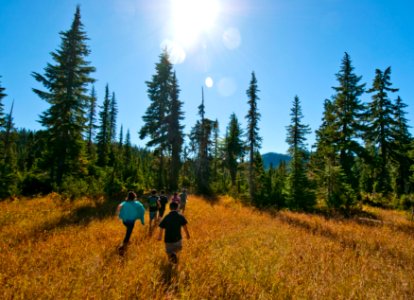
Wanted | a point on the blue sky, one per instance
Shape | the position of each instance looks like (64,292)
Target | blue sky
(295,47)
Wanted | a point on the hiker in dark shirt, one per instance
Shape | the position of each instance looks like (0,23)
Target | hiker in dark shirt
(172,224)
(154,204)
(163,203)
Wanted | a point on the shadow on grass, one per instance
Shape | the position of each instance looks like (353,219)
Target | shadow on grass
(169,277)
(348,242)
(85,214)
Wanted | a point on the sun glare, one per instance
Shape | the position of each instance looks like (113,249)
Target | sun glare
(191,18)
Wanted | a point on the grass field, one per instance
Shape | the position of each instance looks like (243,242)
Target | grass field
(52,249)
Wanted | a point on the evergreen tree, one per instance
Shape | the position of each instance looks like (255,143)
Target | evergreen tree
(234,147)
(216,150)
(380,118)
(253,138)
(175,133)
(2,95)
(104,131)
(299,195)
(91,121)
(156,116)
(66,81)
(401,148)
(348,111)
(200,137)
(8,162)
(113,112)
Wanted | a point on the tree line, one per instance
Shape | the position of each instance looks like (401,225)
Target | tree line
(363,151)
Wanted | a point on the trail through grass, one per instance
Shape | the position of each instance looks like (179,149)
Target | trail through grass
(60,250)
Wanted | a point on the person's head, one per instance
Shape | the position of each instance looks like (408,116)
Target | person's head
(153,192)
(162,192)
(184,190)
(131,195)
(175,194)
(173,206)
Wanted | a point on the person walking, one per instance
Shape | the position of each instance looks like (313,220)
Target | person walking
(154,204)
(172,224)
(175,198)
(183,198)
(163,204)
(129,211)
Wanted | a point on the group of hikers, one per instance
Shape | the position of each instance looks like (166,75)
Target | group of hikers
(131,210)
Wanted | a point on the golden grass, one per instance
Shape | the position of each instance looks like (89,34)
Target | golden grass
(61,250)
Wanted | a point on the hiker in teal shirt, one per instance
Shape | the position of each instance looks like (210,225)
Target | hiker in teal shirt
(129,211)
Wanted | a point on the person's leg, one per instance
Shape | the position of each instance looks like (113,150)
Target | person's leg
(152,218)
(172,250)
(129,227)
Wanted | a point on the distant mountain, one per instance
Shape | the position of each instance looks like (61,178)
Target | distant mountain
(274,159)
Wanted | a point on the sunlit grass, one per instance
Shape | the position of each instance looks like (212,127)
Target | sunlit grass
(68,250)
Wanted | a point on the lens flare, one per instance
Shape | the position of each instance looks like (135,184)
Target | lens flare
(209,82)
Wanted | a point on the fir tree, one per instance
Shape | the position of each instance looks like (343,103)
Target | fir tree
(2,95)
(401,148)
(8,162)
(113,112)
(380,127)
(155,119)
(104,133)
(175,133)
(91,121)
(234,147)
(253,138)
(200,137)
(348,111)
(299,195)
(66,81)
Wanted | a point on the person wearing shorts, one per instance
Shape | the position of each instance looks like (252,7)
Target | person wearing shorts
(172,224)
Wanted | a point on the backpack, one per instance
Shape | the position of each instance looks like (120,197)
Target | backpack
(152,202)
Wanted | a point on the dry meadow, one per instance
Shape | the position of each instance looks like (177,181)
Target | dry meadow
(55,249)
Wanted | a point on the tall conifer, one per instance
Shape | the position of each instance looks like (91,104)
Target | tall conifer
(253,138)
(67,84)
(299,195)
(381,122)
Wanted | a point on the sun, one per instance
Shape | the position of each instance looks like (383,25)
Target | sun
(191,18)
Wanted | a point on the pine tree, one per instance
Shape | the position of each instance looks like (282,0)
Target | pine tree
(253,138)
(299,195)
(65,122)
(380,127)
(234,147)
(104,133)
(175,133)
(348,111)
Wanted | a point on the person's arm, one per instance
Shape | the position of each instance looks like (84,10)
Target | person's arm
(118,210)
(160,234)
(186,231)
(142,215)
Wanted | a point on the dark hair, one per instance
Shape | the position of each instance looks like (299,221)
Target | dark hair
(153,192)
(162,192)
(131,195)
(173,205)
